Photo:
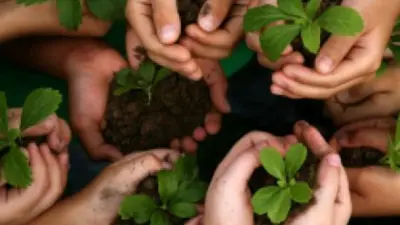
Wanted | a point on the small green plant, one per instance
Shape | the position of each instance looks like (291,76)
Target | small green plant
(392,158)
(14,165)
(179,190)
(70,12)
(299,20)
(276,201)
(145,78)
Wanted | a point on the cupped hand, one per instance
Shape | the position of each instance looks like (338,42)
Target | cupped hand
(55,129)
(49,173)
(378,97)
(371,187)
(253,42)
(342,62)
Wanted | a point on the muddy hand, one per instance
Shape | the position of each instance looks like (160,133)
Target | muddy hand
(343,61)
(253,42)
(49,173)
(55,129)
(375,98)
(219,28)
(216,80)
(372,187)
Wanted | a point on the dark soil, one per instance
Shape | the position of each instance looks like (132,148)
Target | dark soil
(189,11)
(297,43)
(149,187)
(361,157)
(307,174)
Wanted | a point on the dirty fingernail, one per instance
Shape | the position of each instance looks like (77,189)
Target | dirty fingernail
(324,64)
(334,160)
(168,33)
(207,23)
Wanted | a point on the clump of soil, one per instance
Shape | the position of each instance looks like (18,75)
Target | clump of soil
(298,44)
(177,107)
(307,173)
(149,187)
(360,157)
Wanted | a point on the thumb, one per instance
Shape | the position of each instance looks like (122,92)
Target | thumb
(328,180)
(333,52)
(213,13)
(166,20)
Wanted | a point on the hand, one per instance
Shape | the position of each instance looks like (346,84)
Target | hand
(204,40)
(253,42)
(49,173)
(55,129)
(375,98)
(100,201)
(371,187)
(342,61)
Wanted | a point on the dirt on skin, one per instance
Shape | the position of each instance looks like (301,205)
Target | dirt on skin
(360,157)
(297,43)
(307,174)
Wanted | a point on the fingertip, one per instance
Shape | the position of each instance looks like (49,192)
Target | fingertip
(213,123)
(199,134)
(324,64)
(169,34)
(175,144)
(189,145)
(207,23)
(287,50)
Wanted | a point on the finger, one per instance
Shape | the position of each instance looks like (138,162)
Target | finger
(175,144)
(333,52)
(166,20)
(134,49)
(43,128)
(65,134)
(189,144)
(218,38)
(387,123)
(279,91)
(343,201)
(291,58)
(199,134)
(328,181)
(217,83)
(312,138)
(204,51)
(198,220)
(373,138)
(165,155)
(213,122)
(213,13)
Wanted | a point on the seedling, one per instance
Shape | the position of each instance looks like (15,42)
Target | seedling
(299,20)
(276,201)
(70,11)
(40,104)
(392,158)
(179,189)
(145,78)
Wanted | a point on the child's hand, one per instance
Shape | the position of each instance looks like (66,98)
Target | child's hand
(55,129)
(342,61)
(49,173)
(373,188)
(378,97)
(156,25)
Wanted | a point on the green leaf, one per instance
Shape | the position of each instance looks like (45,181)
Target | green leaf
(301,192)
(167,185)
(69,13)
(183,210)
(16,168)
(31,2)
(137,207)
(382,68)
(312,8)
(4,144)
(292,7)
(280,206)
(121,90)
(3,114)
(311,37)
(122,76)
(40,104)
(147,70)
(273,163)
(259,17)
(261,199)
(294,159)
(186,168)
(108,10)
(162,74)
(191,191)
(340,20)
(275,39)
(160,217)
(13,134)
(396,52)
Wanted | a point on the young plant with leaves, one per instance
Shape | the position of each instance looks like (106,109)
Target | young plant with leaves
(179,191)
(70,12)
(276,201)
(299,20)
(392,158)
(14,165)
(145,78)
